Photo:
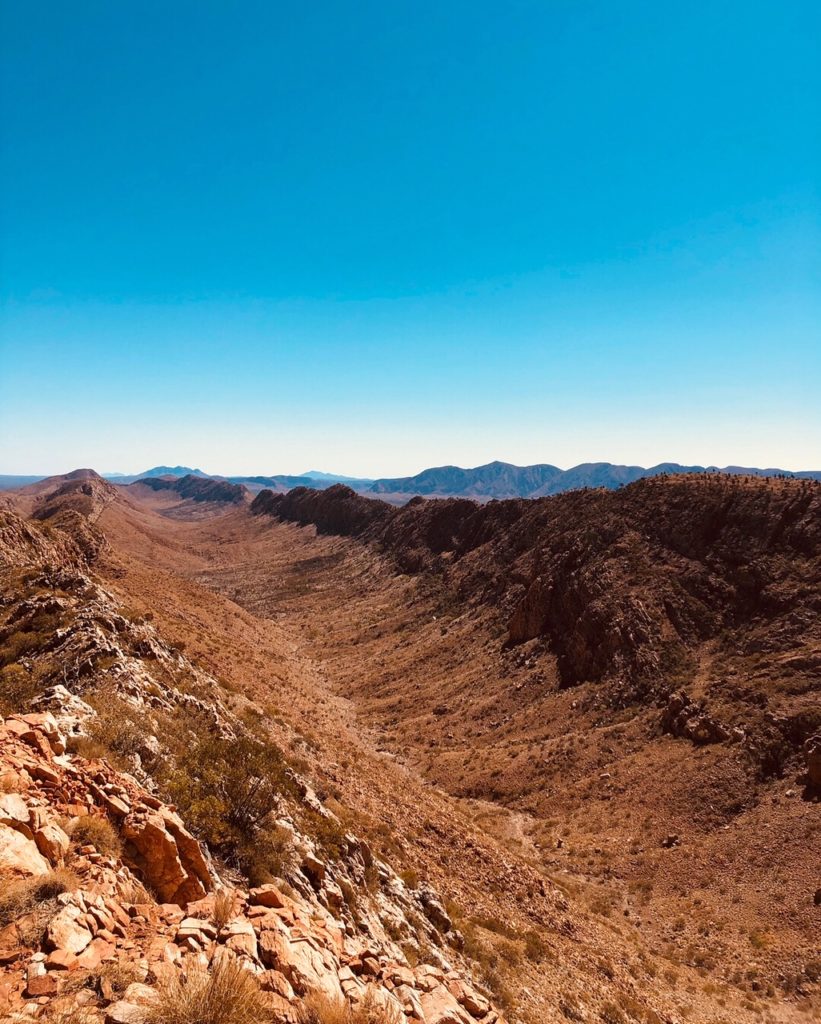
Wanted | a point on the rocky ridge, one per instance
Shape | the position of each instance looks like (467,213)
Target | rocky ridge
(197,488)
(62,951)
(625,587)
(342,925)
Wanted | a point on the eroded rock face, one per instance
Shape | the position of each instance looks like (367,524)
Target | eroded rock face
(170,867)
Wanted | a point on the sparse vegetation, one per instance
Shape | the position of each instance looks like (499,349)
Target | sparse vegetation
(224,905)
(228,791)
(224,994)
(320,1009)
(34,898)
(94,830)
(17,688)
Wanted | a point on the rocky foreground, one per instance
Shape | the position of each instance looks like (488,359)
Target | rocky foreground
(106,896)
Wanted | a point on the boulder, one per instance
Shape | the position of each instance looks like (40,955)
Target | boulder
(67,930)
(52,842)
(267,896)
(20,854)
(440,1007)
(154,852)
(13,810)
(124,1012)
(46,725)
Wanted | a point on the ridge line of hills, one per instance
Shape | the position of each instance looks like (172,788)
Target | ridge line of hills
(483,483)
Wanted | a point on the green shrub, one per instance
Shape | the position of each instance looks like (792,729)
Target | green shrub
(227,790)
(17,688)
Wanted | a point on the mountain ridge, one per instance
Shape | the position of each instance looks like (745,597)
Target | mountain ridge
(492,480)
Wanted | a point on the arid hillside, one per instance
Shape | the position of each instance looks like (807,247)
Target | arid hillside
(575,737)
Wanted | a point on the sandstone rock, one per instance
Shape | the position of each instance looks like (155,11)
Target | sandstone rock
(97,952)
(46,723)
(241,938)
(69,710)
(42,985)
(20,854)
(475,1004)
(155,853)
(61,960)
(434,911)
(687,719)
(66,932)
(440,1007)
(13,810)
(124,1012)
(314,869)
(267,896)
(52,842)
(275,981)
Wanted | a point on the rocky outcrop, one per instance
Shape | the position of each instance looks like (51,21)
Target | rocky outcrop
(619,585)
(100,917)
(688,719)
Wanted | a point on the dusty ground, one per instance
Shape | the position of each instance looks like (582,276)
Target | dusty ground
(415,719)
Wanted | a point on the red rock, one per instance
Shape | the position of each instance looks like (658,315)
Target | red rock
(42,985)
(20,854)
(43,772)
(13,809)
(52,842)
(98,951)
(267,896)
(65,931)
(61,960)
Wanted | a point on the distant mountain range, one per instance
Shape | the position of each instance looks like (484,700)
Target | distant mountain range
(495,480)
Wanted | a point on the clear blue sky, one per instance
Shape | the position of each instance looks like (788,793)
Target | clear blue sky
(370,237)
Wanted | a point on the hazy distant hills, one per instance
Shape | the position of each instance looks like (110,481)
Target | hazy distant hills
(503,480)
(495,480)
(157,471)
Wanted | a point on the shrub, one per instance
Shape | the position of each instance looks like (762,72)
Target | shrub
(17,689)
(93,830)
(224,904)
(228,790)
(319,1009)
(87,747)
(225,994)
(35,897)
(612,1014)
(116,726)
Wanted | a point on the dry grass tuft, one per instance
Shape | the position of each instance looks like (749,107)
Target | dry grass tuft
(69,1013)
(34,896)
(224,904)
(93,830)
(320,1009)
(225,994)
(132,890)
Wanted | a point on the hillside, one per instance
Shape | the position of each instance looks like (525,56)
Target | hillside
(574,736)
(197,488)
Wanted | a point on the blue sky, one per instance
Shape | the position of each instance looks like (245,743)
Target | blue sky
(374,237)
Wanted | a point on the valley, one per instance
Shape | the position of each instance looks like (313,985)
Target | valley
(607,849)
